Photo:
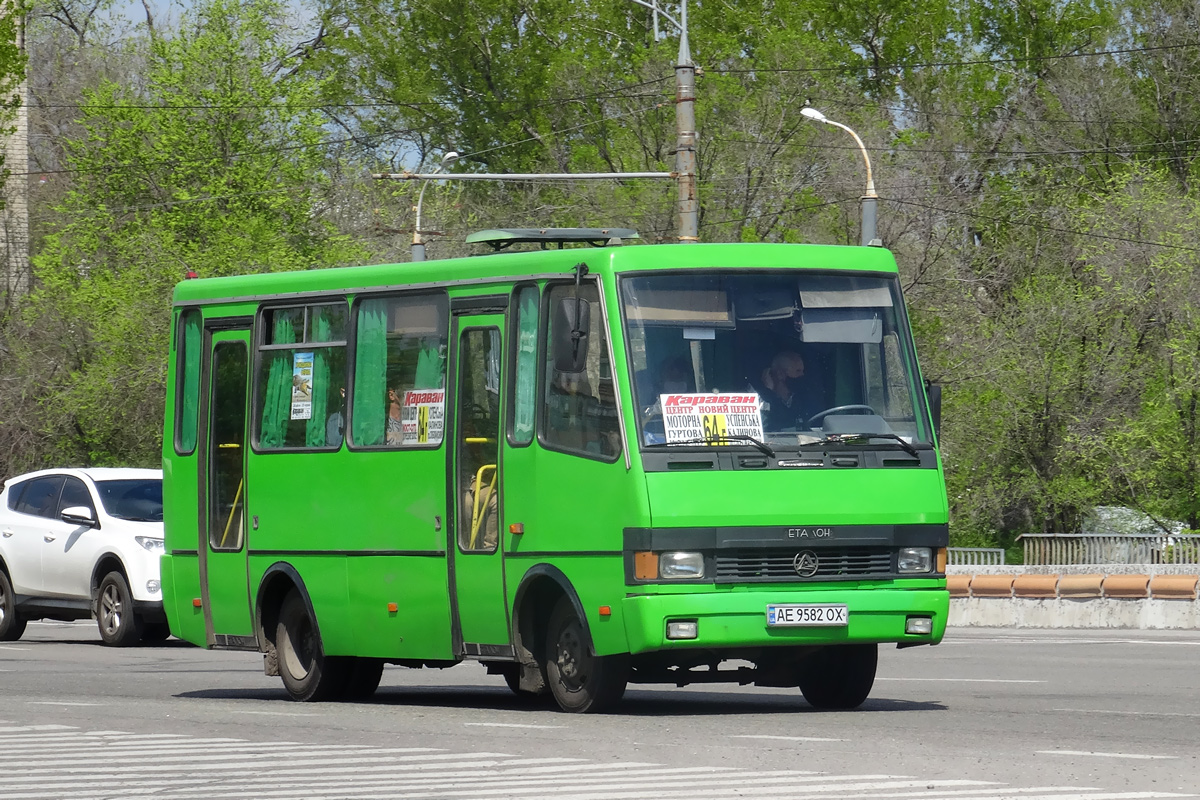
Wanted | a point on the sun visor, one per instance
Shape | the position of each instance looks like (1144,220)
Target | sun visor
(855,325)
(766,303)
(859,297)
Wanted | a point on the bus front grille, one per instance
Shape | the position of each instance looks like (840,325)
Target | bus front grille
(780,565)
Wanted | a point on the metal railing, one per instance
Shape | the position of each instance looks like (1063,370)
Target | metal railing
(1104,548)
(975,556)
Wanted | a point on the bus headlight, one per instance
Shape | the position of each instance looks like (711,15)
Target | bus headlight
(915,559)
(681,566)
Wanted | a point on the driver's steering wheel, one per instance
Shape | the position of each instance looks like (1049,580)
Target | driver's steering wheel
(815,418)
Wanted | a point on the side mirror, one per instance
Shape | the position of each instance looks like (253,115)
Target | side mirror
(933,392)
(570,325)
(79,515)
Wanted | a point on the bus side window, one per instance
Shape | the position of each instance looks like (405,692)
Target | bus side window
(400,371)
(187,380)
(302,372)
(580,407)
(525,367)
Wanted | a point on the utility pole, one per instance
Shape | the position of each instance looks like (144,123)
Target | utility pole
(685,142)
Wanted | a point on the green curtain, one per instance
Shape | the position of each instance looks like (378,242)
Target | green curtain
(370,374)
(277,401)
(191,381)
(314,431)
(430,366)
(526,391)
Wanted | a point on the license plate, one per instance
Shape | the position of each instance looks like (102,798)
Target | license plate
(807,614)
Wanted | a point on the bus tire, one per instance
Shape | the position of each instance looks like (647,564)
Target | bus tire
(119,626)
(308,675)
(362,679)
(580,681)
(11,624)
(839,677)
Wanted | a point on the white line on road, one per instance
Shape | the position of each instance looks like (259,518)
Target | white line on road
(959,680)
(785,738)
(1127,713)
(10,647)
(1138,756)
(274,713)
(508,725)
(60,703)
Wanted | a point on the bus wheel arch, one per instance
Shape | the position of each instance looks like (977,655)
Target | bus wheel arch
(279,579)
(539,593)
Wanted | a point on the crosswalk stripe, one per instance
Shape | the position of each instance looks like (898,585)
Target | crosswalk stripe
(176,765)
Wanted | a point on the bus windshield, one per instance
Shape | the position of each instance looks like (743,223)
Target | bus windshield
(785,358)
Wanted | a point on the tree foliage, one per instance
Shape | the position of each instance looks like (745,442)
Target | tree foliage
(1036,162)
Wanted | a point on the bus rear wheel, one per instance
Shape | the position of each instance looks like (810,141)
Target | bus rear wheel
(308,675)
(839,677)
(362,679)
(580,680)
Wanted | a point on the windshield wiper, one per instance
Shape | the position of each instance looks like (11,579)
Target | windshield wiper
(762,446)
(840,438)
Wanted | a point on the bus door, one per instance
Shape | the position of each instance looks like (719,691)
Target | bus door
(477,558)
(224,583)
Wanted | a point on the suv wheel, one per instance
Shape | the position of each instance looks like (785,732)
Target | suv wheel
(119,626)
(11,624)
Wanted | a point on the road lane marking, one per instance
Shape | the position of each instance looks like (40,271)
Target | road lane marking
(785,738)
(960,680)
(10,647)
(508,725)
(1126,713)
(60,703)
(274,713)
(1139,756)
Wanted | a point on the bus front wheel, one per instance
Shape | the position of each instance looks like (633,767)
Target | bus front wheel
(839,676)
(580,680)
(307,673)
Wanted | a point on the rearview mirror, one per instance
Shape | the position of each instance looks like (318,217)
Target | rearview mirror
(933,392)
(570,326)
(79,515)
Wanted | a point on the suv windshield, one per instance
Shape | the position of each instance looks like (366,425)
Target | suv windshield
(782,357)
(137,499)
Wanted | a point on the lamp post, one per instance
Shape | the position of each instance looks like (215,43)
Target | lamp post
(418,245)
(869,198)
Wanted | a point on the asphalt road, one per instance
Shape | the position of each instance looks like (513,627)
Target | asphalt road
(1022,714)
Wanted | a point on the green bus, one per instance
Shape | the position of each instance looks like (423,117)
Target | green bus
(579,466)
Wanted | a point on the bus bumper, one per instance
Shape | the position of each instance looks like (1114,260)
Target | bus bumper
(739,619)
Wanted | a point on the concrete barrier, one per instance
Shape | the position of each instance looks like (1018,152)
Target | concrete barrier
(1086,600)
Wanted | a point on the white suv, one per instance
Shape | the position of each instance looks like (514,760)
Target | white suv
(79,543)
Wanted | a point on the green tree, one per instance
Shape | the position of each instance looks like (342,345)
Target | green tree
(214,164)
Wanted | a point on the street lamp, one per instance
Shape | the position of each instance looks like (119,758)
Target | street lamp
(869,198)
(418,244)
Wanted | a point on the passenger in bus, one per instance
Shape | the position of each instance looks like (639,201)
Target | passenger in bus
(673,376)
(778,389)
(394,427)
(335,425)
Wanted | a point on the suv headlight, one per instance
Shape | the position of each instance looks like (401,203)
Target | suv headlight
(915,559)
(150,543)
